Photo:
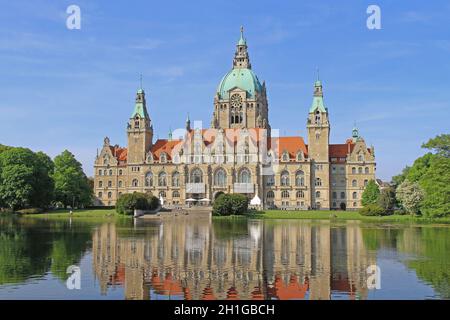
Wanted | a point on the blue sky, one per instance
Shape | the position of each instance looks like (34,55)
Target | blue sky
(68,89)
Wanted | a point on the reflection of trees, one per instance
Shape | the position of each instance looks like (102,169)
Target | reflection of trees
(429,246)
(33,247)
(434,266)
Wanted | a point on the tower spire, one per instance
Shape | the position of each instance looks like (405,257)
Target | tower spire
(188,123)
(241,58)
(140,80)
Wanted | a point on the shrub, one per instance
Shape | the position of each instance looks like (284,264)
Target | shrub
(372,210)
(230,204)
(127,203)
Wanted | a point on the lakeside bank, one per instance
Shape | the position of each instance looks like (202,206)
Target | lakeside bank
(269,214)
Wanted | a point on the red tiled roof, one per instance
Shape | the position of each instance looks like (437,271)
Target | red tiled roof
(119,153)
(341,150)
(163,145)
(290,144)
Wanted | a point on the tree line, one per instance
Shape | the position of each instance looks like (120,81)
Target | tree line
(33,180)
(421,189)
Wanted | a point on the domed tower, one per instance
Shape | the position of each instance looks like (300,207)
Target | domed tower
(240,100)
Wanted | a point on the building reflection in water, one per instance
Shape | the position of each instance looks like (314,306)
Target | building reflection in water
(200,259)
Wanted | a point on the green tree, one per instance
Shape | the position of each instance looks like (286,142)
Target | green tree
(420,167)
(128,202)
(440,144)
(398,179)
(386,200)
(25,179)
(71,184)
(230,204)
(370,194)
(410,195)
(436,184)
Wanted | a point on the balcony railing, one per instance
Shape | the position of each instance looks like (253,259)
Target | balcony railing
(244,188)
(195,188)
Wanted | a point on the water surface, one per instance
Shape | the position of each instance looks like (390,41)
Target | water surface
(182,258)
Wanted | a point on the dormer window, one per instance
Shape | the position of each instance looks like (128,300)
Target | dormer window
(285,156)
(136,124)
(163,158)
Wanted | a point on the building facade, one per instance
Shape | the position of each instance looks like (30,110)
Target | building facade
(239,153)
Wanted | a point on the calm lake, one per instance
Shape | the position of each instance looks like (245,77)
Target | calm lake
(181,258)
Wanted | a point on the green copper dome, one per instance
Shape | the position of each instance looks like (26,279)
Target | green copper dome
(242,78)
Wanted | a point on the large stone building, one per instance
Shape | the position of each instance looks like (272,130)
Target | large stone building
(239,153)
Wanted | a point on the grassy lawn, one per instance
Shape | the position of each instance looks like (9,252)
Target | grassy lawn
(341,215)
(82,213)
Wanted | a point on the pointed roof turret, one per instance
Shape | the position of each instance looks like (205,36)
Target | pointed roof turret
(140,107)
(241,58)
(317,103)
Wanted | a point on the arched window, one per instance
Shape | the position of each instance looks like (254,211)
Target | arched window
(285,194)
(354,204)
(360,157)
(318,182)
(149,179)
(317,194)
(135,183)
(100,194)
(120,172)
(354,183)
(353,170)
(163,157)
(270,180)
(196,176)
(109,195)
(285,156)
(285,178)
(244,176)
(299,156)
(175,194)
(162,179)
(299,178)
(360,170)
(365,183)
(100,172)
(300,194)
(105,172)
(270,195)
(175,179)
(366,170)
(355,195)
(120,183)
(109,184)
(162,194)
(220,178)
(100,184)
(110,172)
